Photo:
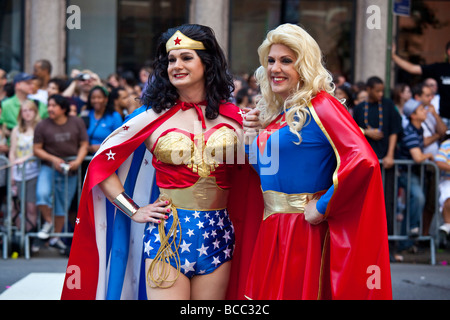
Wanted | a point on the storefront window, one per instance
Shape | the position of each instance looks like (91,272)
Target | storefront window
(330,22)
(250,22)
(11,35)
(120,35)
(93,46)
(141,22)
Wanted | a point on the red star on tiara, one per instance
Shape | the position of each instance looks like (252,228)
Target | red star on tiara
(177,41)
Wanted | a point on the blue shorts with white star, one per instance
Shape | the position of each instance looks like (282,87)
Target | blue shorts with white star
(207,240)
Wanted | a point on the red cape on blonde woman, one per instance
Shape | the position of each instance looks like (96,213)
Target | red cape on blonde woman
(347,255)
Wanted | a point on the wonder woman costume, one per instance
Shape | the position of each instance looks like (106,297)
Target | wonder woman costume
(107,254)
(335,165)
(198,190)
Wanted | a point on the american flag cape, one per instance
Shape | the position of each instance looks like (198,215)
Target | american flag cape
(106,260)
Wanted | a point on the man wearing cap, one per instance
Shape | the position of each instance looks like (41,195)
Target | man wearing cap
(411,148)
(10,107)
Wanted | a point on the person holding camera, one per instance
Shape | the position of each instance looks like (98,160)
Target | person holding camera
(79,88)
(55,139)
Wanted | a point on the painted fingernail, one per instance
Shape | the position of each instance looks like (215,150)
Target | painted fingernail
(166,217)
(168,210)
(167,202)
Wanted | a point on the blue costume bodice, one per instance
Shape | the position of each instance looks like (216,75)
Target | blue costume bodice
(290,168)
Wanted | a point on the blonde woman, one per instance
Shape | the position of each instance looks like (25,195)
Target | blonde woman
(20,152)
(324,223)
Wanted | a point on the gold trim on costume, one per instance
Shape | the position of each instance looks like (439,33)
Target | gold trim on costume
(278,202)
(174,148)
(204,195)
(201,157)
(338,158)
(180,41)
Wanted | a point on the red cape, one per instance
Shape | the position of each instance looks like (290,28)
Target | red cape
(358,265)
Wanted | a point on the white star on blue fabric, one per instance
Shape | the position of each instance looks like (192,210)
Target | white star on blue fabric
(227,252)
(190,232)
(185,246)
(202,250)
(196,214)
(188,266)
(151,226)
(200,225)
(216,261)
(148,247)
(220,223)
(216,243)
(227,236)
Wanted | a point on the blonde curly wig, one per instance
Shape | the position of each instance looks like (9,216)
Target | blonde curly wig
(313,77)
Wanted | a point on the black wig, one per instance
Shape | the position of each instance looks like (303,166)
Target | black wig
(160,94)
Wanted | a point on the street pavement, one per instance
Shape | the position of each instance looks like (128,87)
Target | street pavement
(413,279)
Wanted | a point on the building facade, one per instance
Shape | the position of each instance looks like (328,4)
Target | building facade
(111,35)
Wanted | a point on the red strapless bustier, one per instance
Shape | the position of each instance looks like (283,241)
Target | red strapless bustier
(180,158)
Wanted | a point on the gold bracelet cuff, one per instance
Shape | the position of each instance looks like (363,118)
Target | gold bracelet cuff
(125,204)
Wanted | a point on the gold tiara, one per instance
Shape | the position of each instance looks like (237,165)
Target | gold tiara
(180,41)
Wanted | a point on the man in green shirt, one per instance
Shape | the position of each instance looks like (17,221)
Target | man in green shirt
(11,107)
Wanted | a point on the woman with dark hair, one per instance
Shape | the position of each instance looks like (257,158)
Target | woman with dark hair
(345,95)
(161,92)
(102,118)
(402,93)
(191,135)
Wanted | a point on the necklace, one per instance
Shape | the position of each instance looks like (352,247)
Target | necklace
(380,116)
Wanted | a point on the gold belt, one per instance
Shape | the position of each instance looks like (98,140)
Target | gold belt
(278,202)
(204,195)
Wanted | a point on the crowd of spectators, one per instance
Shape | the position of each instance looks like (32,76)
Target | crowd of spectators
(58,120)
(406,125)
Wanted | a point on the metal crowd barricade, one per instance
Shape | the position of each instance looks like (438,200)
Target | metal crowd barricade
(398,234)
(7,228)
(65,234)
